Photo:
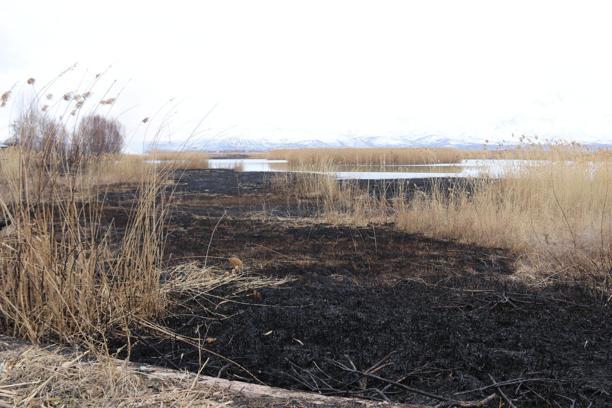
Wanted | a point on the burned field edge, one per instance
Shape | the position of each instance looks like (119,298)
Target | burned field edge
(368,311)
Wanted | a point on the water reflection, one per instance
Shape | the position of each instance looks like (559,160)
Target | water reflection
(248,164)
(467,168)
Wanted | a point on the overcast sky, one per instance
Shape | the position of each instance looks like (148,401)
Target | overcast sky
(323,69)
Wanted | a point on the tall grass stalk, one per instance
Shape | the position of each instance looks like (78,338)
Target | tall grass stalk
(66,274)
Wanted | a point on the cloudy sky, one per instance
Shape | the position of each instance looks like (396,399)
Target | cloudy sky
(323,69)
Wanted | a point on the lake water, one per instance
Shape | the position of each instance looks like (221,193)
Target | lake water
(467,168)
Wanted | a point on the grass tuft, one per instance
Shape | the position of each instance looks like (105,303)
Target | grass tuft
(554,214)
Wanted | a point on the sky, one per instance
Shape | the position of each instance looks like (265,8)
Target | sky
(466,70)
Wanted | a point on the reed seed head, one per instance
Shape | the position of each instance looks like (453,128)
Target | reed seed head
(4,98)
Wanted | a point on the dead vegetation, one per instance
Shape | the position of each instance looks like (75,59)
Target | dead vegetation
(55,376)
(64,275)
(69,273)
(555,213)
(368,156)
(34,376)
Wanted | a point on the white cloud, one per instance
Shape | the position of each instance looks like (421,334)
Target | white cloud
(325,68)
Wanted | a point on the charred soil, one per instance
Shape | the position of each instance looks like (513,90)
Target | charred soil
(370,311)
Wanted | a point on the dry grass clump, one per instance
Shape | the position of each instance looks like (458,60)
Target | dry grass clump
(367,156)
(191,279)
(333,200)
(185,159)
(64,274)
(33,376)
(533,150)
(556,214)
(107,169)
(119,169)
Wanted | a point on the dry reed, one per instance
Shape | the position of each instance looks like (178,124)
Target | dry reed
(557,215)
(64,274)
(367,156)
(51,376)
(554,215)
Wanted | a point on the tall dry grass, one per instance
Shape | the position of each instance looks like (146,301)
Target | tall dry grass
(66,274)
(367,156)
(121,168)
(532,149)
(555,215)
(320,193)
(105,171)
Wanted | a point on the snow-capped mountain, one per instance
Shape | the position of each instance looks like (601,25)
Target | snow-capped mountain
(235,144)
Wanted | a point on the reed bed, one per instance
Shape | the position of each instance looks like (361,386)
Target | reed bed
(64,275)
(106,171)
(367,156)
(68,274)
(555,216)
(541,151)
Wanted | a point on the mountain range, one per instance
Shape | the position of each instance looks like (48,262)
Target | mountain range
(236,144)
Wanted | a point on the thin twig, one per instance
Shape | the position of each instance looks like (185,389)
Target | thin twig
(211,237)
(504,396)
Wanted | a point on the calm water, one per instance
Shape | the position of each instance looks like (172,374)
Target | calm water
(467,168)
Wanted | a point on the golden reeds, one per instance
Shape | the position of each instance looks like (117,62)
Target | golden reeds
(554,214)
(557,215)
(64,275)
(367,156)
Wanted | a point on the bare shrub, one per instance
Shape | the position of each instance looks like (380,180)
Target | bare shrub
(36,131)
(97,136)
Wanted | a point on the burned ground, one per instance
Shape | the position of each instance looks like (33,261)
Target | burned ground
(445,318)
